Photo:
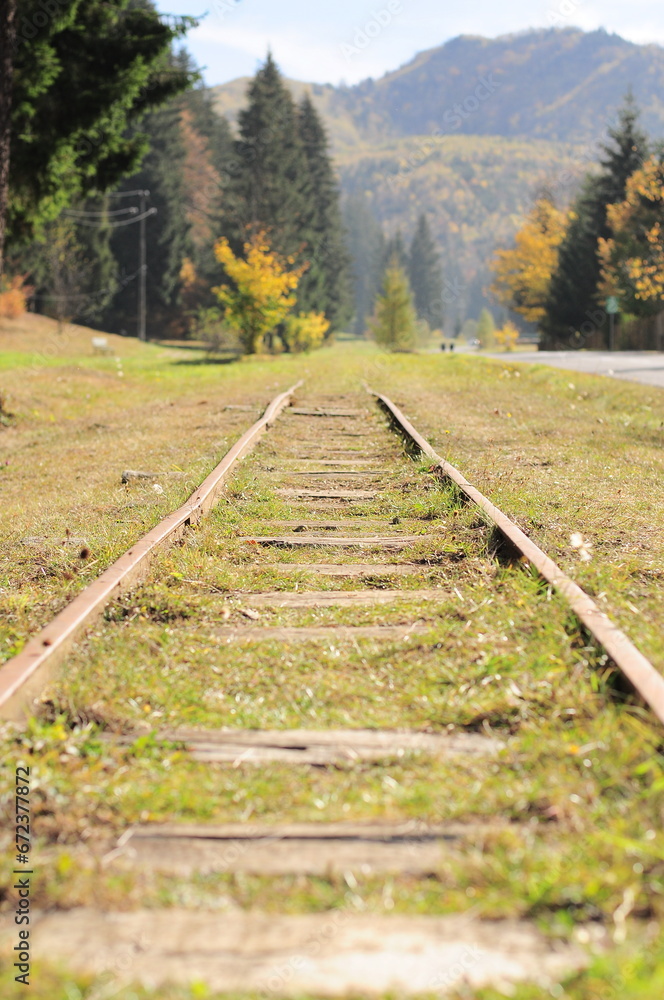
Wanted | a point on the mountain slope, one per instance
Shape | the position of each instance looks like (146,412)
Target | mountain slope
(561,85)
(475,191)
(551,84)
(469,132)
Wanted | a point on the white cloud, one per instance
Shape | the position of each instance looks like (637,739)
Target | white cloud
(352,55)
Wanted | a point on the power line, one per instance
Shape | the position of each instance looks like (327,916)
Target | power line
(143,214)
(127,194)
(116,225)
(84,214)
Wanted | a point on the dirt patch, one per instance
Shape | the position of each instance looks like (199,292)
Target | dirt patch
(323,954)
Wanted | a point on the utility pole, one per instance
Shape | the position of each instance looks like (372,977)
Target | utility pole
(96,219)
(143,268)
(142,264)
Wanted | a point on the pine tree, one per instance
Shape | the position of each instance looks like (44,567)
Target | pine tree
(208,141)
(207,121)
(9,36)
(209,149)
(394,324)
(74,79)
(425,275)
(572,299)
(167,232)
(366,245)
(325,285)
(395,249)
(269,188)
(72,268)
(187,138)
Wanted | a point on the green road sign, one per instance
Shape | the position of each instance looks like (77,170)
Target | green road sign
(612,305)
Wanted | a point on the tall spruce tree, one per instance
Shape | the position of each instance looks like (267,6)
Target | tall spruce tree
(94,275)
(395,249)
(325,285)
(71,268)
(73,76)
(167,232)
(425,275)
(210,157)
(572,303)
(366,244)
(269,187)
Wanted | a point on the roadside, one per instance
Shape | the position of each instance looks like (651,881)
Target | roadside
(646,367)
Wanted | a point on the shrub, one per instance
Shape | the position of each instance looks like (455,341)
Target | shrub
(486,330)
(507,336)
(14,294)
(5,415)
(218,338)
(304,332)
(261,295)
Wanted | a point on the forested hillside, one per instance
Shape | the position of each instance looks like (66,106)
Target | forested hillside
(474,190)
(554,84)
(561,85)
(473,130)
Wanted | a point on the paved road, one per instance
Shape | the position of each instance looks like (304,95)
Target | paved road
(634,366)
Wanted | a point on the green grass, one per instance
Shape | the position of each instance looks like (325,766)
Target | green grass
(578,788)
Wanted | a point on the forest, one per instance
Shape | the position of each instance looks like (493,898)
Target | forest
(165,194)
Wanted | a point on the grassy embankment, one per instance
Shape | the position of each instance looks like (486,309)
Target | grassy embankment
(580,781)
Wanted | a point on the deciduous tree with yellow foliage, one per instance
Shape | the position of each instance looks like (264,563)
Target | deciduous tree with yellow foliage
(633,258)
(305,331)
(523,273)
(262,293)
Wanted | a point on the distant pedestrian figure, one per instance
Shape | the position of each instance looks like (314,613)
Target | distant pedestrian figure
(451,347)
(443,346)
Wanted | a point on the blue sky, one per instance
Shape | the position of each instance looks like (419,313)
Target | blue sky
(349,40)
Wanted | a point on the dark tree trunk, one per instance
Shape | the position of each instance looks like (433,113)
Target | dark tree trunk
(7,53)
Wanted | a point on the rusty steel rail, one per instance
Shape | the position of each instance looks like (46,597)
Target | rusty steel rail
(22,677)
(639,671)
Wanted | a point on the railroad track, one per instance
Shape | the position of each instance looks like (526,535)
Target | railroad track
(330,564)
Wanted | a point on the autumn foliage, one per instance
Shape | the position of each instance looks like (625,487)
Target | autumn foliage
(261,295)
(305,331)
(507,336)
(633,258)
(523,273)
(13,297)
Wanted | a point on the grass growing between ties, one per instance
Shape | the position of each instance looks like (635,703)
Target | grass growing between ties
(567,815)
(562,453)
(78,422)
